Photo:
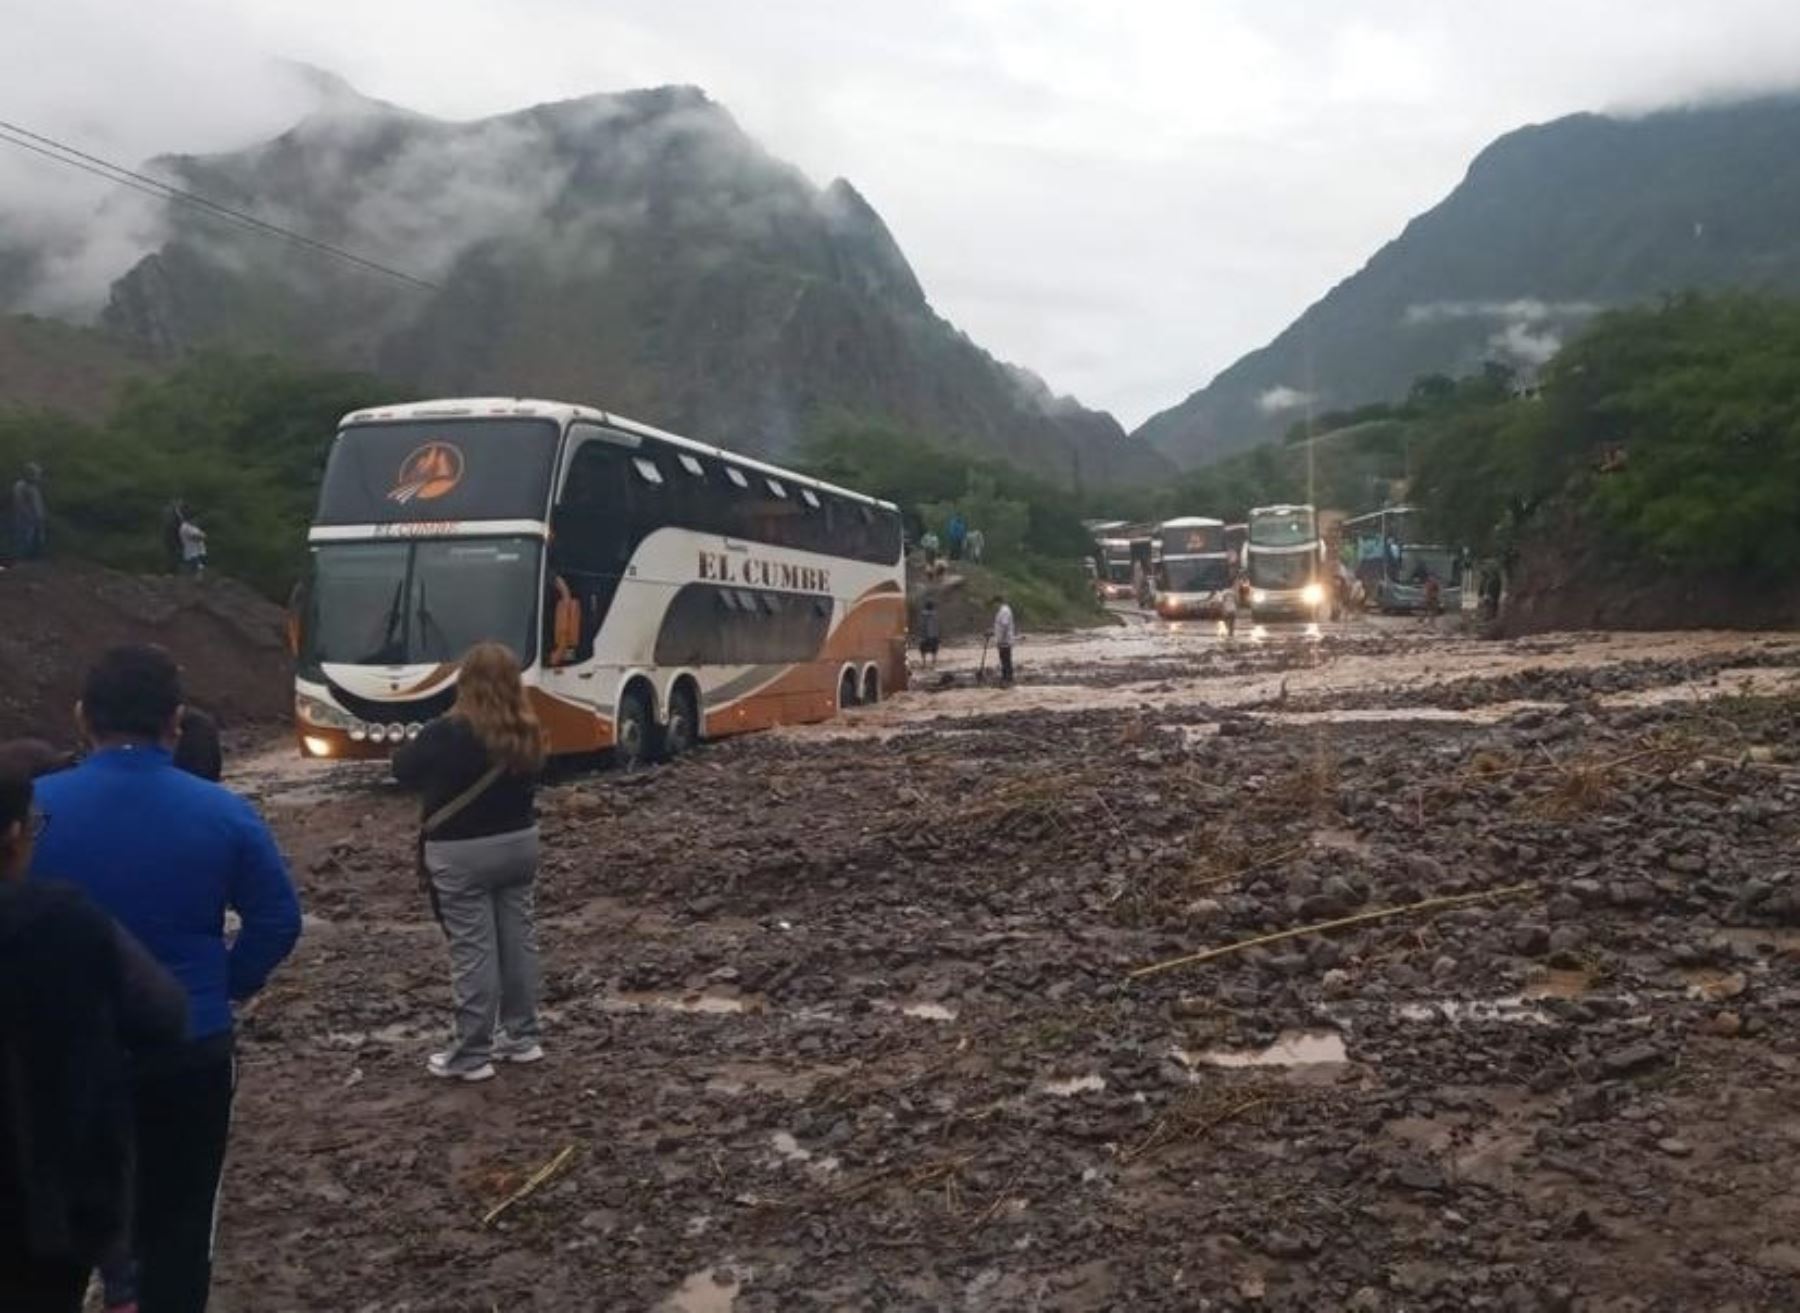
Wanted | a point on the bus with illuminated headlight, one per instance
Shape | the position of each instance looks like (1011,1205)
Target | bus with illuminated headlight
(1194,575)
(657,590)
(1285,569)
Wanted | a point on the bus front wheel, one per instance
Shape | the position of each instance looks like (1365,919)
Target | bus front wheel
(631,733)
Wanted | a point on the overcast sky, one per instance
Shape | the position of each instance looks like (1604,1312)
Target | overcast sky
(1124,195)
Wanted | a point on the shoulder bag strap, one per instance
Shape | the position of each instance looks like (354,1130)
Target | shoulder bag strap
(457,805)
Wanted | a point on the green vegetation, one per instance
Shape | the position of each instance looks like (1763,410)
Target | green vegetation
(241,440)
(1675,428)
(1034,540)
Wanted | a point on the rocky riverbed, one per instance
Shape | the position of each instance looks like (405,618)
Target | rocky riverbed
(859,1016)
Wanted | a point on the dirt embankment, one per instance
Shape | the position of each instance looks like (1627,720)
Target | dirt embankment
(1566,580)
(55,620)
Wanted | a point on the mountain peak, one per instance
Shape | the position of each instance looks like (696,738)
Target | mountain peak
(1551,223)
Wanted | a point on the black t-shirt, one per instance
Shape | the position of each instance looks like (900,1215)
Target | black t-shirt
(445,760)
(77,996)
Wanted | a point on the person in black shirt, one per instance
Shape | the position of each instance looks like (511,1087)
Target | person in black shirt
(476,770)
(77,994)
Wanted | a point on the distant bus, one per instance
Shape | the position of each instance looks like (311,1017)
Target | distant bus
(1393,565)
(1115,582)
(1284,565)
(1194,575)
(657,590)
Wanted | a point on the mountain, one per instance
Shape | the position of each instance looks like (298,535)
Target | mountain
(1551,223)
(636,251)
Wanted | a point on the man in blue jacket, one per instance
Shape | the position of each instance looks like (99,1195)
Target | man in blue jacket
(167,853)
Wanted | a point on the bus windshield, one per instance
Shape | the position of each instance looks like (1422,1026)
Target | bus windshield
(1438,562)
(1118,570)
(418,603)
(1281,570)
(1204,574)
(1282,529)
(1193,539)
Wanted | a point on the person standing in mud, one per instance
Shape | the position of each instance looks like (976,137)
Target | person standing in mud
(30,517)
(78,995)
(930,633)
(1005,631)
(167,853)
(477,770)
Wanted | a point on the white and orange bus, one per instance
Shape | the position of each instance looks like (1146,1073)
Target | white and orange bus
(657,590)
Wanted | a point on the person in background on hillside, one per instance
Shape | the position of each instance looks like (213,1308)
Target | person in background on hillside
(193,546)
(1005,631)
(977,547)
(78,995)
(477,770)
(929,545)
(929,634)
(957,533)
(30,516)
(167,854)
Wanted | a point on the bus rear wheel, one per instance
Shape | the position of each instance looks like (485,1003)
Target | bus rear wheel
(631,731)
(871,686)
(683,730)
(847,690)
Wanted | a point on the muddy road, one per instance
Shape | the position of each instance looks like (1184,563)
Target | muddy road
(856,1017)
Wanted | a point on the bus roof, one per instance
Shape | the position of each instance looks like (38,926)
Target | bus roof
(1279,510)
(454,408)
(1192,522)
(1376,515)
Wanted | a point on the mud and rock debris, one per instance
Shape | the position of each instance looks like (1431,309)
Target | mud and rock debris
(927,1082)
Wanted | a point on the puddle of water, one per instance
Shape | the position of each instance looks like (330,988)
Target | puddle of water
(1341,841)
(711,1002)
(1512,1007)
(1559,982)
(1065,1089)
(1711,985)
(1761,939)
(706,1291)
(1292,1048)
(929,1011)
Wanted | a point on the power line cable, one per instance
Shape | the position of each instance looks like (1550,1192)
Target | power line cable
(51,149)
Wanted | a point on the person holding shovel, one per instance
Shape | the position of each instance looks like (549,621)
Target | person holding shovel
(1005,631)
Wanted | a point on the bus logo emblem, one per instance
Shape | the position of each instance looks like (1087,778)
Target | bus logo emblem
(428,473)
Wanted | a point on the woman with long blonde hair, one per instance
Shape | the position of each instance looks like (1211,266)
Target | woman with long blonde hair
(476,770)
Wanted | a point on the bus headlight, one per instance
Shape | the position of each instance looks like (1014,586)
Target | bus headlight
(1313,594)
(316,746)
(313,711)
(1258,597)
(359,732)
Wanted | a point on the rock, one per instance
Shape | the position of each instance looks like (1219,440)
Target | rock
(1726,1025)
(1531,940)
(1443,968)
(1631,1059)
(1588,891)
(1564,907)
(1633,893)
(1685,863)
(1675,1148)
(1567,939)
(1366,1300)
(1416,1174)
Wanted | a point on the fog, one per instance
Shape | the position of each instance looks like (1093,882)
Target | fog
(1125,199)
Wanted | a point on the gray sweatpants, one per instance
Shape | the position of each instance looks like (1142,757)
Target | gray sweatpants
(484,889)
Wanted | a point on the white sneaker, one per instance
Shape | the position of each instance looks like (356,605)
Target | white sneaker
(530,1051)
(439,1065)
